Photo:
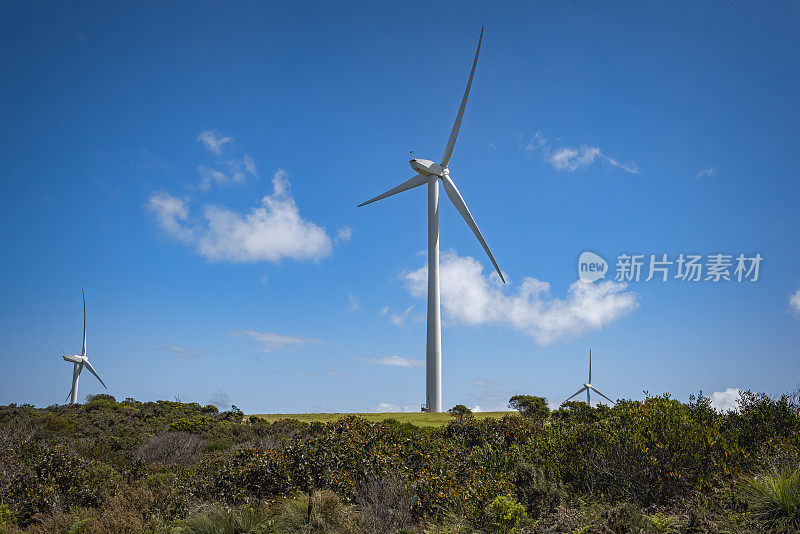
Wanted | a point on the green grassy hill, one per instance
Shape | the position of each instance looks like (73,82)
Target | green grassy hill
(416,418)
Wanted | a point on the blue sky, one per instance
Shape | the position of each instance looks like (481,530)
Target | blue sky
(195,169)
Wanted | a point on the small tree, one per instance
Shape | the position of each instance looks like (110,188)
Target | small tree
(530,406)
(460,412)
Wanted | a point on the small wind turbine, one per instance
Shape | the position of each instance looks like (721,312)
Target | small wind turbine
(430,173)
(588,386)
(79,361)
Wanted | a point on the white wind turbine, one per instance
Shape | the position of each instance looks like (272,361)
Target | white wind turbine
(430,173)
(588,386)
(79,361)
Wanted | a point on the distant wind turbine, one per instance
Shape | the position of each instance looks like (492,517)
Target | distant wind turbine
(588,386)
(430,173)
(79,361)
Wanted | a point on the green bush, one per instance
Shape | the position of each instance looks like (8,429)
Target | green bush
(195,425)
(775,500)
(505,514)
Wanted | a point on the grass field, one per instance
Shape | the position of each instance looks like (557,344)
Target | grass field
(416,418)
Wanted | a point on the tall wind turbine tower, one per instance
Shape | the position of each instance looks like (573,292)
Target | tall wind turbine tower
(430,173)
(589,387)
(79,362)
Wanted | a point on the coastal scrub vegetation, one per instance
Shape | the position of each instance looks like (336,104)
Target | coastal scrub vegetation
(657,465)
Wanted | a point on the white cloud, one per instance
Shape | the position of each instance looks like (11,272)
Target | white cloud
(212,142)
(573,158)
(538,141)
(386,407)
(794,301)
(384,310)
(470,298)
(705,173)
(179,351)
(723,401)
(235,173)
(209,176)
(400,319)
(271,232)
(393,361)
(250,165)
(492,396)
(171,213)
(271,341)
(343,235)
(354,304)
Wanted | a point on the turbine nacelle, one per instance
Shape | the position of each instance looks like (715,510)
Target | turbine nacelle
(426,167)
(74,358)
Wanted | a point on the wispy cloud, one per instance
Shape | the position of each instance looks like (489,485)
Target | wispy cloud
(491,396)
(794,301)
(343,235)
(388,407)
(723,401)
(330,373)
(209,176)
(401,318)
(354,304)
(235,172)
(213,142)
(178,351)
(471,298)
(272,342)
(393,361)
(566,158)
(705,173)
(172,214)
(250,165)
(271,232)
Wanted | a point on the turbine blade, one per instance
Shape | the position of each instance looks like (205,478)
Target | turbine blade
(454,134)
(590,366)
(606,398)
(574,395)
(458,201)
(89,366)
(69,394)
(411,183)
(84,324)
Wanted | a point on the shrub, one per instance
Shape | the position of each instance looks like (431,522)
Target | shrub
(178,448)
(624,519)
(221,521)
(460,412)
(539,493)
(194,425)
(530,406)
(505,513)
(384,503)
(775,499)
